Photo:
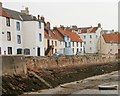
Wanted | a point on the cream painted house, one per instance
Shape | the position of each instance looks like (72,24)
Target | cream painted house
(108,43)
(53,42)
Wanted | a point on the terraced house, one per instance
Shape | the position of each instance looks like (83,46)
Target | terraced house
(90,37)
(21,33)
(109,43)
(53,42)
(73,42)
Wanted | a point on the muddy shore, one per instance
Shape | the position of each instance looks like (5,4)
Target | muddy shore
(18,84)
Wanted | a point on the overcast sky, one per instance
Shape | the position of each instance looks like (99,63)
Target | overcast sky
(71,12)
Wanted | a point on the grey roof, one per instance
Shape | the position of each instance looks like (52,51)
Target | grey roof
(19,16)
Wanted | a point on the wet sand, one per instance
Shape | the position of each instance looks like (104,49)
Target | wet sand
(85,86)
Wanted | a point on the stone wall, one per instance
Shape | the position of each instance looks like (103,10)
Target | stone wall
(20,64)
(13,65)
(52,62)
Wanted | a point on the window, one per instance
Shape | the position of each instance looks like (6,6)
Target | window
(40,37)
(19,51)
(96,36)
(39,24)
(52,43)
(77,44)
(55,43)
(69,44)
(73,50)
(9,50)
(18,39)
(77,50)
(90,41)
(84,42)
(26,51)
(81,49)
(90,36)
(90,48)
(65,44)
(73,44)
(84,36)
(8,36)
(18,26)
(81,44)
(7,21)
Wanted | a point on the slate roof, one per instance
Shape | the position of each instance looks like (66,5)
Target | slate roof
(17,15)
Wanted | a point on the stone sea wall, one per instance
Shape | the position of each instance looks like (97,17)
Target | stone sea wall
(20,64)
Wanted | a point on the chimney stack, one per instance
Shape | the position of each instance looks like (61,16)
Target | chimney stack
(0,8)
(38,17)
(42,19)
(48,25)
(26,11)
(99,25)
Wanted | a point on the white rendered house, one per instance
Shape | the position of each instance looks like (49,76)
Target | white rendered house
(90,37)
(21,33)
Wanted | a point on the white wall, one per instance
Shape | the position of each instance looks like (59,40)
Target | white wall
(31,37)
(91,43)
(4,42)
(79,47)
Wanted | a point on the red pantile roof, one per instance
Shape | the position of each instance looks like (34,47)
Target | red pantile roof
(53,35)
(94,29)
(58,36)
(111,38)
(5,14)
(68,32)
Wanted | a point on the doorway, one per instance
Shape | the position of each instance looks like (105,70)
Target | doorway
(38,51)
(48,43)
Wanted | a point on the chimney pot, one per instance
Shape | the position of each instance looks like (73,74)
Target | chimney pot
(38,17)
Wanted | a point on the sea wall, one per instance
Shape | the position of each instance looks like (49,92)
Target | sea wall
(13,65)
(20,64)
(68,61)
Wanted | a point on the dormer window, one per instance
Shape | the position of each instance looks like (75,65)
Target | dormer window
(7,21)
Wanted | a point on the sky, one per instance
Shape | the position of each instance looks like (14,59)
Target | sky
(82,13)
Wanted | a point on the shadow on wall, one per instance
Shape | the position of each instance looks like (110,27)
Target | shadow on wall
(13,65)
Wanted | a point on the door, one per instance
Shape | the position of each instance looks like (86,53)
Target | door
(38,51)
(48,43)
(118,51)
